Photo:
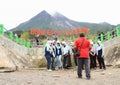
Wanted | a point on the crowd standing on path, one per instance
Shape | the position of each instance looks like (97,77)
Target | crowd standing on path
(59,54)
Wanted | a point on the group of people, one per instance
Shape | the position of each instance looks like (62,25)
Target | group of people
(90,54)
(97,55)
(54,51)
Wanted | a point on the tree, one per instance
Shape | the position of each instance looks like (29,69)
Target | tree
(25,35)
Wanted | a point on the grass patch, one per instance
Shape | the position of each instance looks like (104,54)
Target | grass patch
(39,63)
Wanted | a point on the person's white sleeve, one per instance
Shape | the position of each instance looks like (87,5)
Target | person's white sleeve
(47,48)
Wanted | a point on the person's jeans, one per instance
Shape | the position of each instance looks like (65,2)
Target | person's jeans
(48,58)
(81,62)
(59,58)
(53,63)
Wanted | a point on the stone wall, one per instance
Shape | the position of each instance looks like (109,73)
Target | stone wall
(12,45)
(13,55)
(112,51)
(33,52)
(111,42)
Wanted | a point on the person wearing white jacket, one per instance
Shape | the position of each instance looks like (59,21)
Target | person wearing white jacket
(66,56)
(100,55)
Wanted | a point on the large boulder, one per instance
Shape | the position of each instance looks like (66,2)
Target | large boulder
(14,60)
(112,52)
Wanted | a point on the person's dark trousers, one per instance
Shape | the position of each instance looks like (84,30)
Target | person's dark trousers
(91,62)
(101,63)
(75,60)
(69,61)
(94,62)
(81,62)
(53,63)
(48,58)
(65,61)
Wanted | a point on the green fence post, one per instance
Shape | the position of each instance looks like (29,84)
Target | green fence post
(108,36)
(16,39)
(117,31)
(21,41)
(44,43)
(1,29)
(101,37)
(28,44)
(11,35)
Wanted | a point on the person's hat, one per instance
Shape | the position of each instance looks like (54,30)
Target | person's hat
(91,42)
(49,42)
(63,42)
(53,41)
(58,41)
(71,43)
(99,41)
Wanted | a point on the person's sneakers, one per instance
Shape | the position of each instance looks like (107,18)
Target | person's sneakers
(80,77)
(60,68)
(104,68)
(88,78)
(49,70)
(53,69)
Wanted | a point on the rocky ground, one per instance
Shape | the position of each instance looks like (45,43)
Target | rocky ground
(110,76)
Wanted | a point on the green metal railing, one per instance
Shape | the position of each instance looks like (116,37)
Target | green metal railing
(1,29)
(109,35)
(19,41)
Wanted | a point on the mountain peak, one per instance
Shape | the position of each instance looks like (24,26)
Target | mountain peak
(42,14)
(104,23)
(59,16)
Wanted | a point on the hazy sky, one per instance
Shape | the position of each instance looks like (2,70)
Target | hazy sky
(14,12)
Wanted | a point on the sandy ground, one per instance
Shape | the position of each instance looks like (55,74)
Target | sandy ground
(110,76)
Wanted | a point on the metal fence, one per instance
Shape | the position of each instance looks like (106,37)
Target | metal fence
(14,37)
(109,35)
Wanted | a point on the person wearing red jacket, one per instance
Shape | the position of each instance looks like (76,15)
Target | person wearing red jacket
(83,45)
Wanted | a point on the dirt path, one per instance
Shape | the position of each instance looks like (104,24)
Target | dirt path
(110,76)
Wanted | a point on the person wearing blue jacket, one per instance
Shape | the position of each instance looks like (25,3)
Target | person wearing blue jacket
(59,54)
(48,54)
